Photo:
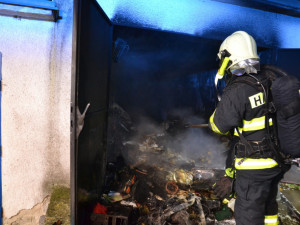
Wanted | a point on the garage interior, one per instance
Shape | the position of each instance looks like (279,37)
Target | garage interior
(147,83)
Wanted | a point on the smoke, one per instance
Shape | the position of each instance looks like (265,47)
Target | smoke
(173,143)
(207,151)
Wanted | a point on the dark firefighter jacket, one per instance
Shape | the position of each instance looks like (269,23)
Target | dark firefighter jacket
(243,107)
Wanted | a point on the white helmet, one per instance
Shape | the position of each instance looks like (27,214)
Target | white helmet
(240,46)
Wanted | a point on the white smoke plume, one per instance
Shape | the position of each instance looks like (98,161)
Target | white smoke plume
(191,145)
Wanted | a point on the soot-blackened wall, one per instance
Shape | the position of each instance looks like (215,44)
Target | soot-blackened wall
(163,71)
(160,72)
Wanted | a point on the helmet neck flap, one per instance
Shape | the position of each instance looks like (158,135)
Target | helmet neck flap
(246,66)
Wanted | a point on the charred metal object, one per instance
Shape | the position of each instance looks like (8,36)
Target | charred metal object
(171,187)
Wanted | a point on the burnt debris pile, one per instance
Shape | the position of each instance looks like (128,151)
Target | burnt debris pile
(159,174)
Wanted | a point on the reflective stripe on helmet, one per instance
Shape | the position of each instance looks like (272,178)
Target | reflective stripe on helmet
(213,125)
(271,220)
(252,164)
(253,125)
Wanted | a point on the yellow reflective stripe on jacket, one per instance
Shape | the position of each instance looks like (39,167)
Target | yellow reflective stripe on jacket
(213,125)
(235,131)
(229,172)
(253,164)
(271,220)
(253,125)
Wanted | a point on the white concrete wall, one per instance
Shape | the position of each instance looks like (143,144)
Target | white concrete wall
(36,70)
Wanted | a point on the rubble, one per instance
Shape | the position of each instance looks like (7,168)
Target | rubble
(151,183)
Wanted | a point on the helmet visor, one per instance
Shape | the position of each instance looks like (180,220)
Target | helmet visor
(246,66)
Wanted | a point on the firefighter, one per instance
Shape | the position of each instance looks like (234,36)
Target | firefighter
(244,112)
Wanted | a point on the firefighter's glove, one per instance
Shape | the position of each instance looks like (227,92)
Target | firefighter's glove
(223,187)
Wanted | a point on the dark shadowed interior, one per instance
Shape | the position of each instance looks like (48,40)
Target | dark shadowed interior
(146,87)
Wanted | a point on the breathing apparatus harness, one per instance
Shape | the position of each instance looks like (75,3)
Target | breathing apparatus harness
(271,138)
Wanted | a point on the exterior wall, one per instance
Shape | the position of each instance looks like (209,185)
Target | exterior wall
(36,70)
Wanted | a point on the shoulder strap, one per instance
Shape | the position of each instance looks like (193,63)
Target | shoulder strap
(253,84)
